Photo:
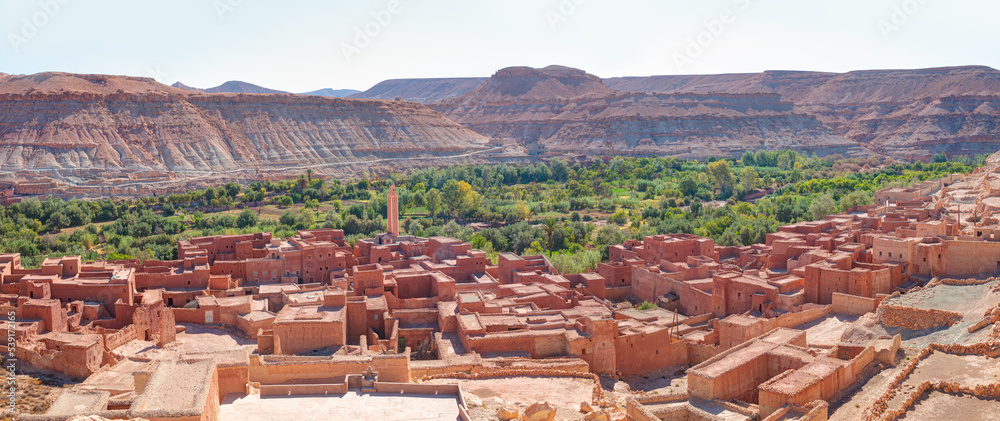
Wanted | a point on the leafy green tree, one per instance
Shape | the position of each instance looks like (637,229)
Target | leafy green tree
(688,185)
(749,179)
(432,201)
(856,198)
(232,189)
(58,221)
(822,206)
(246,219)
(288,219)
(722,177)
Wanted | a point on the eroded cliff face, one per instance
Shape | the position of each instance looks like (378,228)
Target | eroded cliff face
(900,113)
(565,110)
(62,123)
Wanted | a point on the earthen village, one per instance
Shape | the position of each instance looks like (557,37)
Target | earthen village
(883,311)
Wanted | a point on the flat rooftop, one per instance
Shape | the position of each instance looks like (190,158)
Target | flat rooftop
(349,406)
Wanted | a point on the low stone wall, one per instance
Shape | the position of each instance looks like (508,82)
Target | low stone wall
(962,282)
(879,409)
(916,318)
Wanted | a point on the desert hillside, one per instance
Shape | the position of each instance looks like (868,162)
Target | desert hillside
(87,128)
(563,110)
(902,113)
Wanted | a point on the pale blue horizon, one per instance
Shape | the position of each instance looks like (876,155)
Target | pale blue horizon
(301,46)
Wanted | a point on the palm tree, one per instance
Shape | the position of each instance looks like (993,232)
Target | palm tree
(309,174)
(550,226)
(303,182)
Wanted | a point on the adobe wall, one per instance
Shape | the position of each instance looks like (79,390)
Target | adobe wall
(298,336)
(740,383)
(698,353)
(732,334)
(962,258)
(287,369)
(543,345)
(189,315)
(853,304)
(232,379)
(646,352)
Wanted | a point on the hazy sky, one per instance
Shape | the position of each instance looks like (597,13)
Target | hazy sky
(299,45)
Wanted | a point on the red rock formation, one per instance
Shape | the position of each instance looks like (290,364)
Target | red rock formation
(57,122)
(901,113)
(558,109)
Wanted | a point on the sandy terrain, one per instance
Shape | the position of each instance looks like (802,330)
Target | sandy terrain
(944,406)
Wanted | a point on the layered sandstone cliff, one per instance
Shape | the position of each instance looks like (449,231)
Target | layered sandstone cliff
(901,113)
(62,124)
(564,110)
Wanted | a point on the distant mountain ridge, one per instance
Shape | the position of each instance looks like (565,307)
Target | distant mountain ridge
(558,109)
(235,86)
(900,113)
(423,91)
(332,93)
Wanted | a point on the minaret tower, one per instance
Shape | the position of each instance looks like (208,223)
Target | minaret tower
(392,200)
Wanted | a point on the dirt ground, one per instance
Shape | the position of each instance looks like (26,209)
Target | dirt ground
(969,370)
(564,393)
(945,406)
(35,393)
(670,379)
